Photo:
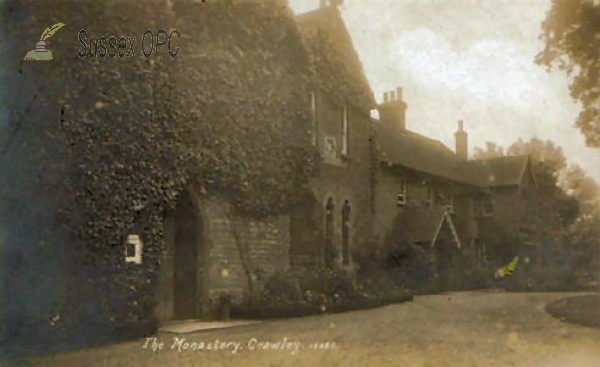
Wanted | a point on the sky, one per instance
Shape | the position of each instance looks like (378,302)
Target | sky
(470,60)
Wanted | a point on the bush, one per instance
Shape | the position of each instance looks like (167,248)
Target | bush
(281,290)
(397,267)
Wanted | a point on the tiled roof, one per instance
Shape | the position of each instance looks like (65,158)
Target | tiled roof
(423,154)
(417,224)
(502,171)
(422,225)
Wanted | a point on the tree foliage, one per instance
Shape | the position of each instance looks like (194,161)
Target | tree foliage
(581,186)
(540,150)
(491,151)
(570,32)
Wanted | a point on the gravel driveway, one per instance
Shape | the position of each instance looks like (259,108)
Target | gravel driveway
(459,329)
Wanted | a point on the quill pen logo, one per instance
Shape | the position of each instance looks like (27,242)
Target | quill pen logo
(41,53)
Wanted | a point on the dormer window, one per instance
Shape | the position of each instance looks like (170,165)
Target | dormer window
(344,130)
(401,197)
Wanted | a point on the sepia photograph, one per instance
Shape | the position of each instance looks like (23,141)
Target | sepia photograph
(190,183)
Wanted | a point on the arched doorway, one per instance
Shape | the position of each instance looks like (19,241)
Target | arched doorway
(188,261)
(346,233)
(329,245)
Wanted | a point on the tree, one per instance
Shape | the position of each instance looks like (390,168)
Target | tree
(578,184)
(491,151)
(540,150)
(571,43)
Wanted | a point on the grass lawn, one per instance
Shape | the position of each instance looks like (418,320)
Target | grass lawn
(582,310)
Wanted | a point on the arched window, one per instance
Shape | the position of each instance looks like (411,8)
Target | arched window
(329,248)
(345,233)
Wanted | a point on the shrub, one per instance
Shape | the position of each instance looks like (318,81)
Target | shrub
(281,290)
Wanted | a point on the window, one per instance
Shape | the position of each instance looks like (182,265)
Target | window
(133,249)
(329,249)
(446,199)
(480,251)
(313,110)
(484,206)
(488,206)
(329,150)
(401,198)
(430,196)
(344,131)
(345,233)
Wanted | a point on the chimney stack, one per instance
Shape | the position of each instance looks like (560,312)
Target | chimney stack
(462,142)
(392,112)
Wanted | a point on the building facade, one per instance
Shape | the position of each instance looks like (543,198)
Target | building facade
(378,184)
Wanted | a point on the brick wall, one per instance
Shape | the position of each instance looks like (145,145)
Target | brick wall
(244,250)
(343,178)
(417,194)
(232,251)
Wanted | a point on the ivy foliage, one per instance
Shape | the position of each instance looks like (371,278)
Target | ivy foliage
(337,70)
(255,127)
(227,116)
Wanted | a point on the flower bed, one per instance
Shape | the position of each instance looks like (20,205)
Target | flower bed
(581,310)
(301,310)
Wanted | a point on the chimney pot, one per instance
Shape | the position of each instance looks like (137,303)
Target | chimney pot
(462,142)
(399,93)
(392,112)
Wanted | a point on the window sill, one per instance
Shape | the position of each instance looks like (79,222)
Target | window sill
(337,161)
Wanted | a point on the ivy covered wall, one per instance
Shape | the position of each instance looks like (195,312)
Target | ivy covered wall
(101,147)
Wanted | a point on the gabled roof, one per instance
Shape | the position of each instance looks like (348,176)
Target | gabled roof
(420,153)
(501,171)
(424,225)
(418,224)
(342,56)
